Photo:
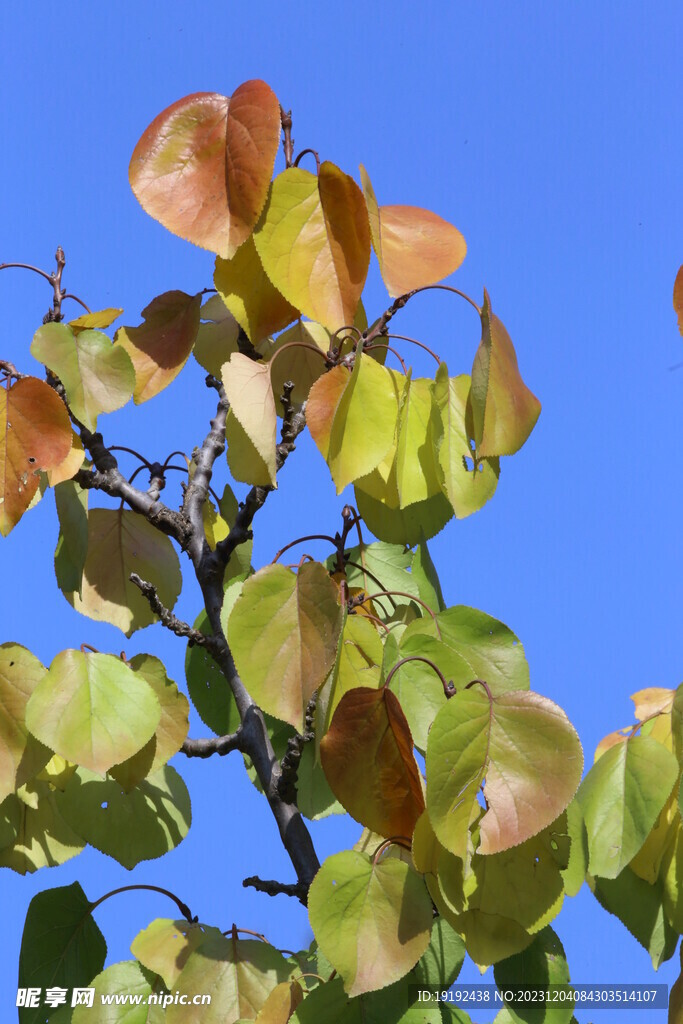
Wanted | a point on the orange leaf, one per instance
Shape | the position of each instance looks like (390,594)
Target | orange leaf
(203,166)
(160,347)
(678,297)
(415,247)
(35,434)
(368,760)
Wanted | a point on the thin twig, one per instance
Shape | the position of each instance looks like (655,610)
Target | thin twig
(168,619)
(273,888)
(288,142)
(220,745)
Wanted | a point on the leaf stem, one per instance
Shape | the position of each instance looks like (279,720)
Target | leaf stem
(315,154)
(401,841)
(414,341)
(302,540)
(182,907)
(448,687)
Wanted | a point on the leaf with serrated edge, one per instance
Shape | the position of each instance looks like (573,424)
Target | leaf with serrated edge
(91,709)
(621,798)
(368,760)
(61,947)
(356,430)
(283,633)
(43,839)
(160,347)
(504,411)
(35,434)
(238,974)
(249,294)
(72,543)
(130,827)
(415,247)
(371,920)
(359,663)
(203,165)
(98,377)
(249,391)
(21,755)
(314,242)
(121,542)
(170,733)
(71,464)
(639,908)
(123,981)
(542,964)
(525,749)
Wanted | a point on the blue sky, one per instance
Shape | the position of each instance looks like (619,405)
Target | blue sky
(550,135)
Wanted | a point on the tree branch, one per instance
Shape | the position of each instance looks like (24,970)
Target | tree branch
(198,488)
(289,766)
(220,745)
(273,888)
(168,619)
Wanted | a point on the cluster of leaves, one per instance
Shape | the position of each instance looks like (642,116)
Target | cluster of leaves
(350,679)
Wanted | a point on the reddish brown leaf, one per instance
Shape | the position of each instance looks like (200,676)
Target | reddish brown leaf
(160,347)
(367,756)
(35,434)
(678,297)
(203,166)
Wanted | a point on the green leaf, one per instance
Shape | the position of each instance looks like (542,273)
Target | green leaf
(123,979)
(329,1004)
(418,687)
(97,376)
(92,709)
(206,684)
(467,484)
(61,947)
(372,921)
(424,573)
(248,389)
(238,974)
(359,663)
(160,347)
(639,908)
(121,542)
(21,755)
(216,337)
(504,411)
(247,291)
(164,946)
(621,798)
(441,962)
(574,874)
(493,650)
(43,838)
(283,633)
(72,543)
(369,763)
(314,243)
(540,965)
(522,745)
(389,564)
(170,733)
(203,166)
(130,827)
(352,417)
(415,465)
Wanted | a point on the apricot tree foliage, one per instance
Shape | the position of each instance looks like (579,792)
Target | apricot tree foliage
(347,685)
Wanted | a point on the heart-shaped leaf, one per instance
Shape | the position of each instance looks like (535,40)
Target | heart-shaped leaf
(203,166)
(21,755)
(521,746)
(371,920)
(130,996)
(164,946)
(283,633)
(98,376)
(35,434)
(217,336)
(359,663)
(298,364)
(160,347)
(504,411)
(121,542)
(414,247)
(369,763)
(314,243)
(42,836)
(92,709)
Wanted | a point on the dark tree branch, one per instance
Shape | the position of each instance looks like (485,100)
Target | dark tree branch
(168,619)
(197,490)
(220,745)
(273,888)
(293,422)
(289,766)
